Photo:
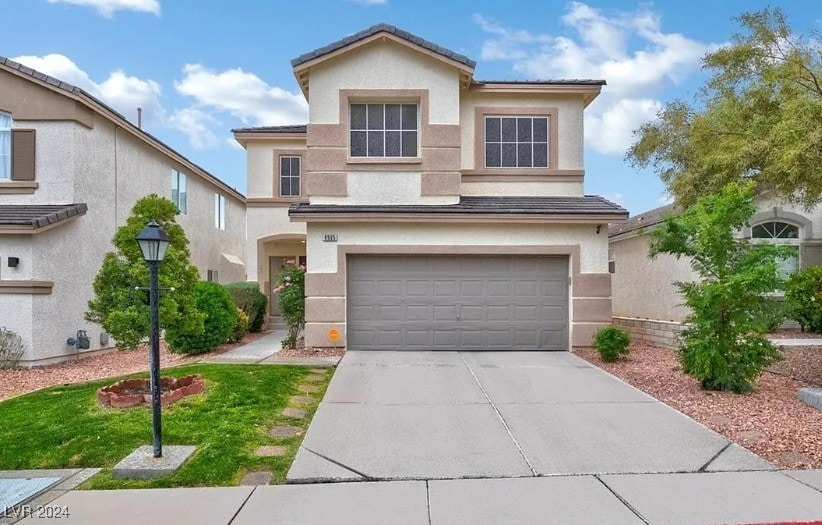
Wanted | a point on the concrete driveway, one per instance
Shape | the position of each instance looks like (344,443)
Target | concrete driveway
(450,415)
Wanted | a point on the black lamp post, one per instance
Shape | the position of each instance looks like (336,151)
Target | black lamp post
(153,243)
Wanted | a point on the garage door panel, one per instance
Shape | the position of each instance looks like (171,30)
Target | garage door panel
(457,303)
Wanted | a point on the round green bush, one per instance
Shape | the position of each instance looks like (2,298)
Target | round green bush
(803,298)
(612,343)
(220,312)
(240,327)
(248,298)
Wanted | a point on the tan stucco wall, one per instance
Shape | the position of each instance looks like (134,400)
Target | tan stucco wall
(642,287)
(380,188)
(264,223)
(569,118)
(76,163)
(261,171)
(384,65)
(520,189)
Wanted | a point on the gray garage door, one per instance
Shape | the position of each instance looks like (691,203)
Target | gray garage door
(457,303)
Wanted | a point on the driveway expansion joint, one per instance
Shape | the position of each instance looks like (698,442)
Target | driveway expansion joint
(499,416)
(622,500)
(366,477)
(723,449)
(242,505)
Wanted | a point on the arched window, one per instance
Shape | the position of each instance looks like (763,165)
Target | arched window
(784,233)
(5,146)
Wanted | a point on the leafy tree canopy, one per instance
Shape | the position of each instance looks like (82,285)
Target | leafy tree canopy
(119,306)
(756,118)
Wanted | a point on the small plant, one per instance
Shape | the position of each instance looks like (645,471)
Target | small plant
(220,312)
(612,343)
(240,327)
(803,298)
(291,300)
(248,297)
(773,315)
(11,348)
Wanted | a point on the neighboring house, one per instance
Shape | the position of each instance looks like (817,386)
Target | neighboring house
(438,212)
(645,300)
(71,169)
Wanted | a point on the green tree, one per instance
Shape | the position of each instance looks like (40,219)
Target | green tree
(291,300)
(220,312)
(119,306)
(756,118)
(722,344)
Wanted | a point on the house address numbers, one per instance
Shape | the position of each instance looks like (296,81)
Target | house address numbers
(329,237)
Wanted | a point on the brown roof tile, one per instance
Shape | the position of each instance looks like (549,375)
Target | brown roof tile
(38,215)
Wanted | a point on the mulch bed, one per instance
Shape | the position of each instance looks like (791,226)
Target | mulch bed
(16,381)
(307,351)
(793,333)
(771,422)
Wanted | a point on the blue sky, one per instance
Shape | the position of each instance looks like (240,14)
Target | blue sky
(200,68)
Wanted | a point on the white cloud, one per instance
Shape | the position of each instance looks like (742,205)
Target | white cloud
(198,125)
(243,95)
(369,2)
(665,200)
(627,48)
(107,8)
(615,197)
(123,92)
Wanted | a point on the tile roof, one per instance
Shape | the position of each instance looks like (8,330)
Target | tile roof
(586,205)
(379,28)
(642,220)
(79,92)
(295,128)
(547,82)
(38,215)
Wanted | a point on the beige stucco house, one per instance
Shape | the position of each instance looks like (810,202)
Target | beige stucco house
(435,211)
(71,168)
(645,300)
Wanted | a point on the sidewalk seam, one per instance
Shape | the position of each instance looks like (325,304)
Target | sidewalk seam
(346,467)
(499,416)
(723,449)
(253,490)
(428,500)
(622,500)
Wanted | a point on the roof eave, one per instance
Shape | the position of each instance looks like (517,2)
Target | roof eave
(589,92)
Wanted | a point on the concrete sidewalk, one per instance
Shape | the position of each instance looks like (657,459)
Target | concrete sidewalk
(253,352)
(797,342)
(670,499)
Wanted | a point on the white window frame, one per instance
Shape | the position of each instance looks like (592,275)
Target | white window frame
(517,143)
(291,175)
(384,130)
(5,157)
(219,211)
(611,260)
(795,242)
(179,191)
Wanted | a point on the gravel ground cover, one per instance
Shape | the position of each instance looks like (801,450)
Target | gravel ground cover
(16,381)
(770,422)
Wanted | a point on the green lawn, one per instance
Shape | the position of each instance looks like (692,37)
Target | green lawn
(65,427)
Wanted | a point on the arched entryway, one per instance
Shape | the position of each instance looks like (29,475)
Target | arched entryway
(273,253)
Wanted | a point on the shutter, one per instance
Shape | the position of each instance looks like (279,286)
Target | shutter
(22,154)
(811,255)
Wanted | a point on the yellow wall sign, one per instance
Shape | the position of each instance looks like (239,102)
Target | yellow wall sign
(334,334)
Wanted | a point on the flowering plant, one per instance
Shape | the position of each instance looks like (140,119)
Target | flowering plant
(291,300)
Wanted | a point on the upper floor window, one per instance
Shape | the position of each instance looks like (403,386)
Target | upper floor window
(384,130)
(178,191)
(290,176)
(516,142)
(219,211)
(5,146)
(778,232)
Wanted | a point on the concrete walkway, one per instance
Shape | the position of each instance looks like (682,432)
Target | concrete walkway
(797,342)
(669,499)
(253,352)
(448,415)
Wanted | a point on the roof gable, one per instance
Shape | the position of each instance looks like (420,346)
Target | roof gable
(303,63)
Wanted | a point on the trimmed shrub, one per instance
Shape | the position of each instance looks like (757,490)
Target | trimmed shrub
(803,298)
(11,348)
(240,327)
(220,312)
(773,315)
(248,298)
(612,343)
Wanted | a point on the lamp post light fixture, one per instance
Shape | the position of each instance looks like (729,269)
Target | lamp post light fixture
(154,243)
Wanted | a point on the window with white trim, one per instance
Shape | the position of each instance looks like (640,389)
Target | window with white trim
(178,191)
(783,233)
(611,260)
(5,146)
(290,176)
(219,211)
(383,130)
(516,142)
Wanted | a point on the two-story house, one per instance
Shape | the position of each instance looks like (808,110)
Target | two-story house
(435,211)
(71,168)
